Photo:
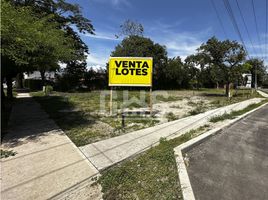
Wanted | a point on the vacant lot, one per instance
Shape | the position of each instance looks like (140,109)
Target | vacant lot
(85,116)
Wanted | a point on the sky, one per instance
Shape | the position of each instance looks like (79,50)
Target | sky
(181,25)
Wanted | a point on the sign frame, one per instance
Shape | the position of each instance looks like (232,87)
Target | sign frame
(131,85)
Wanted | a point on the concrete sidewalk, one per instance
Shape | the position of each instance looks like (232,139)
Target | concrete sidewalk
(111,151)
(47,165)
(262,93)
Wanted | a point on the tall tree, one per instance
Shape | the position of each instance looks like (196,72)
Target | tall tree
(28,41)
(226,55)
(38,34)
(130,28)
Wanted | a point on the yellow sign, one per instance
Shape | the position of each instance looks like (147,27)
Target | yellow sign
(130,71)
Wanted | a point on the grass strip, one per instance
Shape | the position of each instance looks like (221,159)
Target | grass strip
(150,175)
(234,114)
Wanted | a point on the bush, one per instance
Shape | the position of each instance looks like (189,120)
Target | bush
(48,89)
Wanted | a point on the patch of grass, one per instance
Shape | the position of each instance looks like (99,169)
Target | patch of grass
(7,153)
(191,103)
(221,117)
(171,116)
(161,98)
(217,100)
(175,106)
(197,110)
(78,113)
(151,175)
(234,114)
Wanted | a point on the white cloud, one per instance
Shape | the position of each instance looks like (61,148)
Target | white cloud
(182,43)
(97,60)
(118,4)
(102,36)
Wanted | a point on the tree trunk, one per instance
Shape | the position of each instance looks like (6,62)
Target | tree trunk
(227,90)
(43,76)
(9,87)
(19,78)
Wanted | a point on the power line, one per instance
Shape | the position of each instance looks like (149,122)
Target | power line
(256,26)
(244,22)
(233,20)
(218,16)
(266,35)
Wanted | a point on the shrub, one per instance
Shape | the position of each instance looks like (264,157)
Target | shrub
(48,89)
(171,116)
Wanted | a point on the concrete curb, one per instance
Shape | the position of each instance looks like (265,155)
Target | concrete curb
(186,188)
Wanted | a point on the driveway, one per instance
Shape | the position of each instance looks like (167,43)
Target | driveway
(233,164)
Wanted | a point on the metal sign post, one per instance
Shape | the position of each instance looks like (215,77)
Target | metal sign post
(111,101)
(150,102)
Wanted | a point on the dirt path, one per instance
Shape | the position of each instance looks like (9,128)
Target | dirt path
(46,165)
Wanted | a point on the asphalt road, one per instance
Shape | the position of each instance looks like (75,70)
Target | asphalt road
(233,164)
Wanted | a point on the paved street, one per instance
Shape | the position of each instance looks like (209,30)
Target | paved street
(233,165)
(47,164)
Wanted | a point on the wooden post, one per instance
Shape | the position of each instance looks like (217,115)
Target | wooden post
(150,103)
(111,101)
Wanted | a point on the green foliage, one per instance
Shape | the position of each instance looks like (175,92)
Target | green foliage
(7,153)
(222,58)
(48,89)
(171,116)
(256,66)
(234,114)
(26,38)
(197,110)
(221,117)
(38,35)
(73,76)
(96,79)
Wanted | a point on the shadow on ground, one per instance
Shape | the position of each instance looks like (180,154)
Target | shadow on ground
(29,122)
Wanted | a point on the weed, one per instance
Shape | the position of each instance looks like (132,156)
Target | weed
(234,114)
(7,153)
(171,116)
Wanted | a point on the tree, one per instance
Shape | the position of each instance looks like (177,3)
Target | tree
(256,67)
(27,40)
(96,79)
(39,35)
(138,46)
(206,74)
(73,76)
(226,55)
(130,28)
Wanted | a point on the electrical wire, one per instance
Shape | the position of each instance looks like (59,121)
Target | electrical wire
(234,22)
(256,26)
(245,25)
(218,16)
(266,30)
